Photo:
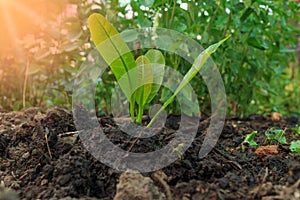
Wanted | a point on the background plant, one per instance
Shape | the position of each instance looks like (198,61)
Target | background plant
(256,65)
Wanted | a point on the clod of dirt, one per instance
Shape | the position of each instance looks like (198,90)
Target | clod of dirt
(270,150)
(134,186)
(275,116)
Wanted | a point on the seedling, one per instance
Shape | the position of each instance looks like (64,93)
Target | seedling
(275,134)
(147,68)
(295,146)
(296,130)
(272,134)
(178,150)
(249,140)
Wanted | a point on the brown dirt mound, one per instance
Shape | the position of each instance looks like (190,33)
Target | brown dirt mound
(42,158)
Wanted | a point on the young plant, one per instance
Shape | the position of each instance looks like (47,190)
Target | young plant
(147,68)
(249,140)
(295,146)
(272,134)
(276,134)
(296,130)
(115,52)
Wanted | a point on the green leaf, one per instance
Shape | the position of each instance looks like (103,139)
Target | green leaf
(296,129)
(69,46)
(256,43)
(247,3)
(157,61)
(287,50)
(33,69)
(249,140)
(276,134)
(145,76)
(114,51)
(295,146)
(147,3)
(41,54)
(197,65)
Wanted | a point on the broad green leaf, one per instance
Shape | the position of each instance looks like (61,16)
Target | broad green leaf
(111,46)
(157,61)
(145,75)
(197,65)
(145,79)
(295,146)
(114,51)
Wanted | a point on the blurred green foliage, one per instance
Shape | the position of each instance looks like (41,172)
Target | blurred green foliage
(258,65)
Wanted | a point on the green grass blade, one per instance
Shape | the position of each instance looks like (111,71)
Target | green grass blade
(197,65)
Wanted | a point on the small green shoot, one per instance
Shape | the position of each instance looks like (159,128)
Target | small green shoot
(275,134)
(272,134)
(296,130)
(249,140)
(295,146)
(178,150)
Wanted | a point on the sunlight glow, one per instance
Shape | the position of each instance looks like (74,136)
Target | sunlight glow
(19,18)
(4,2)
(12,33)
(30,13)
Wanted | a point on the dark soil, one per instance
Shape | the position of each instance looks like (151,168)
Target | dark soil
(42,158)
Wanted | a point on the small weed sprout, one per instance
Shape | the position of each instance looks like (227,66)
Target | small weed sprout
(249,140)
(296,130)
(272,134)
(295,146)
(275,134)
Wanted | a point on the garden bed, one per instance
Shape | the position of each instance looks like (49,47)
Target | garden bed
(42,157)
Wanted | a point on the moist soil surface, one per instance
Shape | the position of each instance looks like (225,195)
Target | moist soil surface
(42,157)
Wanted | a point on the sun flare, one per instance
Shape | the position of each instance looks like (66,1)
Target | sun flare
(19,18)
(4,2)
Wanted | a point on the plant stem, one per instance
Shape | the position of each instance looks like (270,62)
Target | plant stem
(173,12)
(140,114)
(170,100)
(131,105)
(25,84)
